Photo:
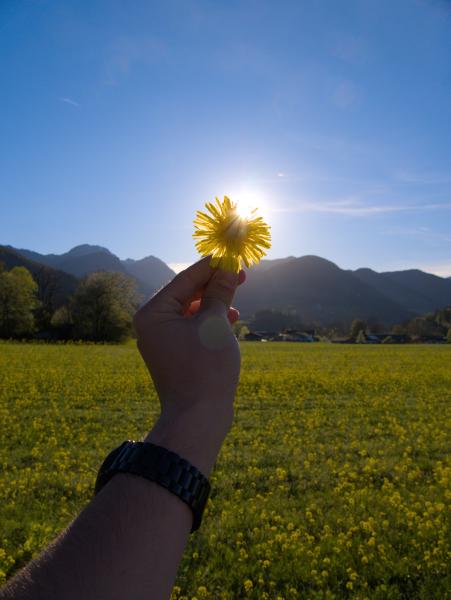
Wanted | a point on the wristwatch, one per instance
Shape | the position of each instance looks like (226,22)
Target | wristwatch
(162,466)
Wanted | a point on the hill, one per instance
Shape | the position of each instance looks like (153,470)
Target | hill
(150,273)
(318,291)
(54,286)
(417,291)
(314,290)
(435,288)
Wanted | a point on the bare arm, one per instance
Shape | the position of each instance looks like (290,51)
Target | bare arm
(128,542)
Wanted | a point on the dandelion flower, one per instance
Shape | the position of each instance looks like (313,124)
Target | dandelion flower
(230,238)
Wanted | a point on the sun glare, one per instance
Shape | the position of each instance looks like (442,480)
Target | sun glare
(248,203)
(244,209)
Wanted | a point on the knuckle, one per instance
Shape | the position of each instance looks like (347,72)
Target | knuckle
(224,285)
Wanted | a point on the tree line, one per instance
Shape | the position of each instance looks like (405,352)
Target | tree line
(100,309)
(102,305)
(435,325)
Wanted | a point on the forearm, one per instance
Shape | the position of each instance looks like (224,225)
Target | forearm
(128,542)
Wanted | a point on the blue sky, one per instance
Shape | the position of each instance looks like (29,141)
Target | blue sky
(118,120)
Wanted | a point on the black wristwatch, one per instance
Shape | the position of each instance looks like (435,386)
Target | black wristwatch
(162,466)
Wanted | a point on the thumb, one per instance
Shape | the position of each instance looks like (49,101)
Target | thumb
(219,292)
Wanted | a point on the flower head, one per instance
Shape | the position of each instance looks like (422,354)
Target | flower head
(230,238)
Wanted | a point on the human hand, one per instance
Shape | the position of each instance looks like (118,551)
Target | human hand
(185,338)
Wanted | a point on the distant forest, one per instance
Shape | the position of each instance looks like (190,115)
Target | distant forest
(100,309)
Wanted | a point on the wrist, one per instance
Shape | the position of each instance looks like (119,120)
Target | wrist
(196,434)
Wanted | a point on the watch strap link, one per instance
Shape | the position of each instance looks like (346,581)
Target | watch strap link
(161,466)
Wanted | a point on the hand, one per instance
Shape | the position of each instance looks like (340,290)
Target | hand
(185,338)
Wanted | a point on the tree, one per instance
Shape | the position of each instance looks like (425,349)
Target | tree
(62,322)
(399,329)
(357,326)
(423,327)
(236,327)
(102,307)
(360,339)
(243,332)
(17,302)
(448,336)
(443,317)
(49,288)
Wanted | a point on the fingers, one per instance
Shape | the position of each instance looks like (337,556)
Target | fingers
(233,313)
(185,286)
(197,281)
(219,292)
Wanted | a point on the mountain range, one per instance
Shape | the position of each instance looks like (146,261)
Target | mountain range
(314,289)
(150,272)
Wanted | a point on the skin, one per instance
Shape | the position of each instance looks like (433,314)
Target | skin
(128,542)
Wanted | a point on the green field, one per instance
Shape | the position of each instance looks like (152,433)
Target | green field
(333,483)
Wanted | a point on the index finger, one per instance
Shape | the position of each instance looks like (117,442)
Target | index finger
(183,288)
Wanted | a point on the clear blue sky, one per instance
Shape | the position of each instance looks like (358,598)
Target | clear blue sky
(119,119)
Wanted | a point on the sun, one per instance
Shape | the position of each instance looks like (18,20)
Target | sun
(248,203)
(244,209)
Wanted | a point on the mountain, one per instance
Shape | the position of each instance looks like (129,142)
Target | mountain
(85,249)
(436,288)
(314,290)
(264,265)
(54,286)
(318,291)
(82,265)
(417,291)
(390,285)
(150,273)
(79,261)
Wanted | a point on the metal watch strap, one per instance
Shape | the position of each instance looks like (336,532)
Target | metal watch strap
(162,466)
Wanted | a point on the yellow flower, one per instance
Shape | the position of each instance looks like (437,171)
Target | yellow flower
(230,238)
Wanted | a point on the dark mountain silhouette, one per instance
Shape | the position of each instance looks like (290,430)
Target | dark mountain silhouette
(82,265)
(150,273)
(84,249)
(436,290)
(433,293)
(314,290)
(79,261)
(264,265)
(318,292)
(54,286)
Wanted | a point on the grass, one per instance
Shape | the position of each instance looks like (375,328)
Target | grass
(333,483)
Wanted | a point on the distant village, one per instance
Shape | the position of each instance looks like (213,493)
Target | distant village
(269,326)
(310,336)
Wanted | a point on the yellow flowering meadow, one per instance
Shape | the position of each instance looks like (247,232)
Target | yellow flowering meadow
(333,483)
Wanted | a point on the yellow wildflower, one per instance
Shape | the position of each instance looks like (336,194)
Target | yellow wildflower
(230,238)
